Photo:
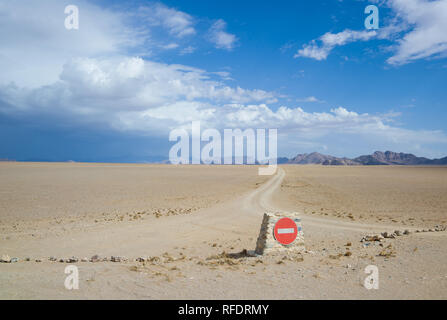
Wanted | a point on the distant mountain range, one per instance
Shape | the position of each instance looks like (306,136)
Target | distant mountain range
(377,158)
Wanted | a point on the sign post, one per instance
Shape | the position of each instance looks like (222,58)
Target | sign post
(280,232)
(285,231)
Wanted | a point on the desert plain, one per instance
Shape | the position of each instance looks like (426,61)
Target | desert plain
(187,232)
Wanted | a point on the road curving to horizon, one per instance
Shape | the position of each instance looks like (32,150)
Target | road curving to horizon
(230,226)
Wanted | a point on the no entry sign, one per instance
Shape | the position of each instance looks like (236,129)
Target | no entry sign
(285,231)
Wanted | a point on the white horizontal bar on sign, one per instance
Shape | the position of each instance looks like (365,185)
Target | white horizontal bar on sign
(286,230)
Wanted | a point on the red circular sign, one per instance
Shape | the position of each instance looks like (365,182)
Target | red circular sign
(285,231)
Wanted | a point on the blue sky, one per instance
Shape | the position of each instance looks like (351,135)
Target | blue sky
(112,90)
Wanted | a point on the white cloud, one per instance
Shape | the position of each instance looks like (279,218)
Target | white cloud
(329,41)
(35,44)
(427,36)
(337,127)
(221,38)
(187,50)
(313,51)
(417,28)
(225,75)
(150,98)
(90,78)
(344,37)
(170,46)
(123,88)
(310,99)
(178,23)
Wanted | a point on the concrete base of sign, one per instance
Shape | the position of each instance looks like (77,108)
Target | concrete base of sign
(267,243)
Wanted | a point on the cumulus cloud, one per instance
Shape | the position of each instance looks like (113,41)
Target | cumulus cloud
(427,22)
(122,88)
(312,131)
(417,29)
(150,98)
(221,38)
(89,78)
(35,44)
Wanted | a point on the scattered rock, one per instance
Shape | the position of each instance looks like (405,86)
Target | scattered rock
(397,233)
(154,260)
(52,259)
(371,238)
(73,260)
(38,260)
(6,259)
(115,259)
(335,256)
(95,258)
(84,260)
(389,235)
(388,252)
(141,259)
(407,232)
(27,259)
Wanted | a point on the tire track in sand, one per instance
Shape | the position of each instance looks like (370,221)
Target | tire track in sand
(262,199)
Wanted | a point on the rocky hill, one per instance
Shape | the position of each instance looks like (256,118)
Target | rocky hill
(377,158)
(318,158)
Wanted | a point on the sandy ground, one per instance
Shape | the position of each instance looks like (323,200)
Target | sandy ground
(191,223)
(412,196)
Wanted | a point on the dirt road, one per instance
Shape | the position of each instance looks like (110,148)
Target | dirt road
(187,260)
